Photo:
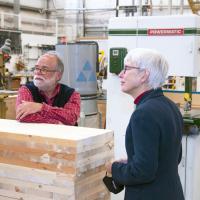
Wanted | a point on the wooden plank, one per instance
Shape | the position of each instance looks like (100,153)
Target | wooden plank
(7,198)
(18,149)
(44,145)
(100,155)
(43,166)
(10,107)
(179,98)
(90,182)
(84,175)
(102,109)
(91,164)
(24,185)
(60,132)
(36,176)
(37,139)
(97,192)
(95,142)
(20,196)
(50,143)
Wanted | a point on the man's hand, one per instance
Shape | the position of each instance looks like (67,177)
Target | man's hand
(26,108)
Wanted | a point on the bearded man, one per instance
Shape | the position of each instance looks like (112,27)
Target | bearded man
(45,100)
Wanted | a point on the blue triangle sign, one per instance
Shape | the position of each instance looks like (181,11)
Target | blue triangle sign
(92,77)
(81,78)
(87,66)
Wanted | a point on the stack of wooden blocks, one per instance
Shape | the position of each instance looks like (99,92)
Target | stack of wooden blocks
(53,162)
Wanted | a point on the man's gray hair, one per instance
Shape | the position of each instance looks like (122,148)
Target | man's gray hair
(152,61)
(60,65)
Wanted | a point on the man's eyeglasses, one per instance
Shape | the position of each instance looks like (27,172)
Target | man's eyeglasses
(43,70)
(126,68)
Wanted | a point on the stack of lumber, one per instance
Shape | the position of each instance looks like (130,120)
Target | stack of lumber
(53,162)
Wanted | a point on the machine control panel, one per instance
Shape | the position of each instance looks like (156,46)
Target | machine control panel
(117,56)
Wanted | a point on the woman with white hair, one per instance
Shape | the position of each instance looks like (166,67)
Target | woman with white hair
(153,135)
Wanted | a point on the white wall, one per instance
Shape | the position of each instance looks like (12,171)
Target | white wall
(34,41)
(34,3)
(38,39)
(67,3)
(100,4)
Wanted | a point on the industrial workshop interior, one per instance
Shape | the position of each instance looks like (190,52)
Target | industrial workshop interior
(65,114)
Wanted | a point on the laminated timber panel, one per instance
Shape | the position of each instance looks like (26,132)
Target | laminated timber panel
(57,162)
(179,99)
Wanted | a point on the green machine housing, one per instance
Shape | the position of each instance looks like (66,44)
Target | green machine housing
(117,56)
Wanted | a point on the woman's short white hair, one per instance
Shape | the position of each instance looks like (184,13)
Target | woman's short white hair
(150,60)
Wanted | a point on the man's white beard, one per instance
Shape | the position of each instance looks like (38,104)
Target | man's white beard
(44,84)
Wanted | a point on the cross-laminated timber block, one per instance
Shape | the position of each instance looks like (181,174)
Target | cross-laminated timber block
(53,162)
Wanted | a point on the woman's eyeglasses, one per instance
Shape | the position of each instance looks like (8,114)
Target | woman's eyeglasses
(127,68)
